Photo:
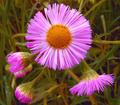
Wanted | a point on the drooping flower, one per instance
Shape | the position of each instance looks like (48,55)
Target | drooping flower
(24,93)
(92,82)
(19,63)
(60,38)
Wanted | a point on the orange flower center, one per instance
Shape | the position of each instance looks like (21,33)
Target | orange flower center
(59,36)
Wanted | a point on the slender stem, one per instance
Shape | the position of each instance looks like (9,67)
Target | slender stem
(64,100)
(52,88)
(106,42)
(12,45)
(94,7)
(103,23)
(37,78)
(20,44)
(115,88)
(13,82)
(81,5)
(93,100)
(63,95)
(73,75)
(45,100)
(13,39)
(86,66)
(19,35)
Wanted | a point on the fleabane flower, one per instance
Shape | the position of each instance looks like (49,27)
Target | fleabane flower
(19,63)
(60,37)
(24,93)
(92,82)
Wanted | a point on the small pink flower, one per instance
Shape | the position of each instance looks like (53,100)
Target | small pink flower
(92,83)
(19,63)
(24,94)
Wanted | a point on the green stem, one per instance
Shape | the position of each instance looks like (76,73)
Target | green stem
(19,35)
(64,99)
(81,5)
(103,23)
(13,82)
(106,42)
(73,75)
(93,100)
(94,7)
(13,39)
(52,88)
(37,78)
(20,44)
(86,66)
(45,100)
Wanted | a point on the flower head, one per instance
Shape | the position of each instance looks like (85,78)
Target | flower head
(92,82)
(23,93)
(60,38)
(19,63)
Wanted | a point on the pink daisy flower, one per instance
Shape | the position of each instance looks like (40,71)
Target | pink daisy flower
(91,83)
(60,37)
(19,63)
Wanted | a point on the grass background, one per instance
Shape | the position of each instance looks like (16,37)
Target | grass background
(104,17)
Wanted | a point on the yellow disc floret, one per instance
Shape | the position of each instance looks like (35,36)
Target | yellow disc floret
(59,36)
